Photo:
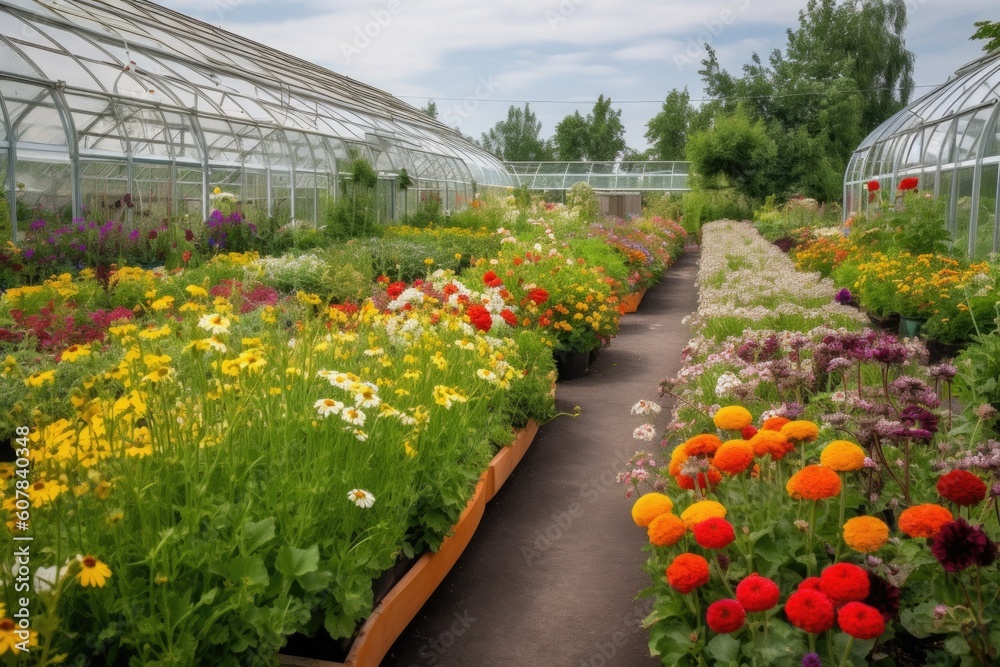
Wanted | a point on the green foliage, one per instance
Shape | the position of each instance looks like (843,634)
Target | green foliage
(737,151)
(517,138)
(353,213)
(598,137)
(428,213)
(582,199)
(701,206)
(990,31)
(978,379)
(667,131)
(915,224)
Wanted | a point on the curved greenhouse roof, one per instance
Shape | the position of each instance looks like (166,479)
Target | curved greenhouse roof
(949,139)
(100,98)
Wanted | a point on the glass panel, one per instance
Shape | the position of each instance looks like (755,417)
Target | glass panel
(963,207)
(255,190)
(914,150)
(281,196)
(189,189)
(58,66)
(305,196)
(33,114)
(103,184)
(935,142)
(974,130)
(153,191)
(986,224)
(47,186)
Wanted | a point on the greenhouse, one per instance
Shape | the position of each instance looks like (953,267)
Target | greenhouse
(99,100)
(949,140)
(648,176)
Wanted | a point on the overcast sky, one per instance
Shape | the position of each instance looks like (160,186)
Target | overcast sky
(476,58)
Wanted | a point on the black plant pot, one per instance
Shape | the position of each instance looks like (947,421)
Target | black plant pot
(572,364)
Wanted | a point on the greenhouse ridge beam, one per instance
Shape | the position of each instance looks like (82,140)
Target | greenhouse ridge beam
(100,99)
(649,176)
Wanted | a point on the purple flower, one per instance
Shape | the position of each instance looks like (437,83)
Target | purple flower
(37,224)
(943,371)
(133,235)
(843,296)
(959,545)
(29,253)
(811,660)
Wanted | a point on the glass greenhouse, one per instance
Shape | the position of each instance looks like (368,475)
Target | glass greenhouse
(603,176)
(103,98)
(949,140)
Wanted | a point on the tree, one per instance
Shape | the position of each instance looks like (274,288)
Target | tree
(431,109)
(845,70)
(571,139)
(667,131)
(989,30)
(600,136)
(738,150)
(606,132)
(517,137)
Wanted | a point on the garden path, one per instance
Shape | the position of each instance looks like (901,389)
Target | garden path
(550,576)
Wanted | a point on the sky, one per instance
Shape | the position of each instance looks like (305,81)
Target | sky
(476,58)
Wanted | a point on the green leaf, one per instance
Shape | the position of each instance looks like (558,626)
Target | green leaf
(723,648)
(956,645)
(257,534)
(338,625)
(248,571)
(315,581)
(293,562)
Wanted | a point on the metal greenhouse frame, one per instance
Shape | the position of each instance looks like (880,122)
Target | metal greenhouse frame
(103,98)
(949,140)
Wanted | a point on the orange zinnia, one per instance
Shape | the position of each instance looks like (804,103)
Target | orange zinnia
(733,457)
(732,418)
(813,483)
(706,443)
(666,530)
(770,442)
(687,572)
(774,423)
(842,456)
(800,431)
(650,506)
(924,520)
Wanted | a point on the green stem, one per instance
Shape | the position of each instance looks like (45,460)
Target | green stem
(840,524)
(847,653)
(809,539)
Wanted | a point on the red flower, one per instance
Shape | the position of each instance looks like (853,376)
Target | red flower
(757,593)
(909,183)
(509,317)
(810,611)
(872,185)
(962,488)
(687,572)
(492,279)
(748,432)
(860,621)
(810,584)
(479,317)
(395,289)
(186,256)
(725,616)
(716,533)
(844,582)
(538,295)
(687,483)
(450,289)
(383,280)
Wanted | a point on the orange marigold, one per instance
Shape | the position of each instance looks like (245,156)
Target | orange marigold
(813,483)
(666,530)
(687,572)
(842,456)
(677,459)
(706,443)
(924,520)
(650,506)
(866,533)
(686,482)
(702,511)
(800,431)
(770,442)
(774,423)
(732,418)
(733,457)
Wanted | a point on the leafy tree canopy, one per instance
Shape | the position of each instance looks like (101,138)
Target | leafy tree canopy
(517,137)
(598,137)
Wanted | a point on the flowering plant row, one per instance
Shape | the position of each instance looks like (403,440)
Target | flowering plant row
(815,500)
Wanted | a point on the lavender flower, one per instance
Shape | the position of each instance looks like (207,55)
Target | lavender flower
(843,296)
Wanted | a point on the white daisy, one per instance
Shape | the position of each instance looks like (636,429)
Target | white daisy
(214,323)
(353,416)
(361,498)
(328,406)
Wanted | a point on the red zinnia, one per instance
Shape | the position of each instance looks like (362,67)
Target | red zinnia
(748,432)
(538,295)
(492,279)
(509,317)
(757,593)
(962,488)
(479,317)
(844,582)
(860,621)
(725,616)
(810,611)
(873,185)
(395,289)
(909,183)
(687,572)
(810,584)
(715,533)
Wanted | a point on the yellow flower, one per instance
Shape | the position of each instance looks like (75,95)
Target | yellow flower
(428,261)
(38,378)
(74,352)
(446,396)
(196,291)
(842,456)
(93,572)
(308,298)
(800,431)
(155,360)
(732,418)
(9,639)
(650,506)
(865,534)
(153,334)
(161,373)
(163,303)
(702,511)
(267,314)
(217,190)
(43,491)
